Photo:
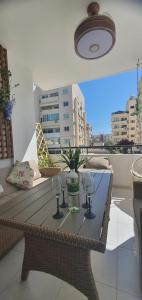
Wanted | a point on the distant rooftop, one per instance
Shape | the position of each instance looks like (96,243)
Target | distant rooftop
(119,112)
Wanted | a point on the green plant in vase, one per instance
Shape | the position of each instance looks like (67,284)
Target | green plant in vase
(75,155)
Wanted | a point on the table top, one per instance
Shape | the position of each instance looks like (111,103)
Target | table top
(35,207)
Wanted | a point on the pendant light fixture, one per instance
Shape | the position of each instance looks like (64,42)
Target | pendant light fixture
(95,36)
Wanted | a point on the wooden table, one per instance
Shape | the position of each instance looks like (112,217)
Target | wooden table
(61,247)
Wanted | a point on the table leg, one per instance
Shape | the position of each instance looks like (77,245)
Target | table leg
(67,262)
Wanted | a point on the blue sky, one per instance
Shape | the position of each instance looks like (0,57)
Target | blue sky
(104,96)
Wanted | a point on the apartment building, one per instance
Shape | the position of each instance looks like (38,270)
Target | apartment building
(140,115)
(119,121)
(88,135)
(101,139)
(62,115)
(124,123)
(132,120)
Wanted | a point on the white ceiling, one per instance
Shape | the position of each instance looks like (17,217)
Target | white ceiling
(41,33)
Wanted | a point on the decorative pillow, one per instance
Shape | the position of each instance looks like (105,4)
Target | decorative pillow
(98,163)
(1,190)
(21,175)
(34,166)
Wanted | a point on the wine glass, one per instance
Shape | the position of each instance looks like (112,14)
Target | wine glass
(59,214)
(63,179)
(63,185)
(58,185)
(90,192)
(85,187)
(90,184)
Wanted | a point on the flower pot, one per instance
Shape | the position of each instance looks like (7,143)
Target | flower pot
(49,171)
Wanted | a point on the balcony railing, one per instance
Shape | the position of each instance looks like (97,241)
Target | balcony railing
(113,149)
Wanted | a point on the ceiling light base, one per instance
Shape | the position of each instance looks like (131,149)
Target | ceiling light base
(93,9)
(95,36)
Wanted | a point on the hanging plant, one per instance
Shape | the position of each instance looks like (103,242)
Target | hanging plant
(7,100)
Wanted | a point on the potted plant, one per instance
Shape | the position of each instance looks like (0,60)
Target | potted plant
(73,155)
(47,167)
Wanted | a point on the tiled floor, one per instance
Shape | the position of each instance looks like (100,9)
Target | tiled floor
(116,272)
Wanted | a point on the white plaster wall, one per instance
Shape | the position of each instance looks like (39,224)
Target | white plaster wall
(37,93)
(23,117)
(121,164)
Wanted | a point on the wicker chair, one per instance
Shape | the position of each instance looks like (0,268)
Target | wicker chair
(136,172)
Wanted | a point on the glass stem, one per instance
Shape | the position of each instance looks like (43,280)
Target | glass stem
(86,200)
(57,204)
(89,210)
(63,197)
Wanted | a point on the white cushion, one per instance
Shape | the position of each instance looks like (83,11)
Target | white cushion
(21,175)
(98,163)
(1,190)
(34,166)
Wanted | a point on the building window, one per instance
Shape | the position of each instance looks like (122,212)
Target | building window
(66,103)
(51,117)
(132,121)
(66,128)
(65,91)
(51,130)
(56,130)
(66,116)
(132,106)
(123,119)
(53,95)
(53,140)
(44,96)
(132,128)
(67,141)
(50,107)
(49,95)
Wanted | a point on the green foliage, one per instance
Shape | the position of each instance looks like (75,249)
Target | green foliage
(127,144)
(73,154)
(44,160)
(4,91)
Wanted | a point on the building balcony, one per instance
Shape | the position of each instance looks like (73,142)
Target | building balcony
(49,100)
(50,135)
(50,123)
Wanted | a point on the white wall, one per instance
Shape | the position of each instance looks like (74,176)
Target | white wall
(121,164)
(37,93)
(23,117)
